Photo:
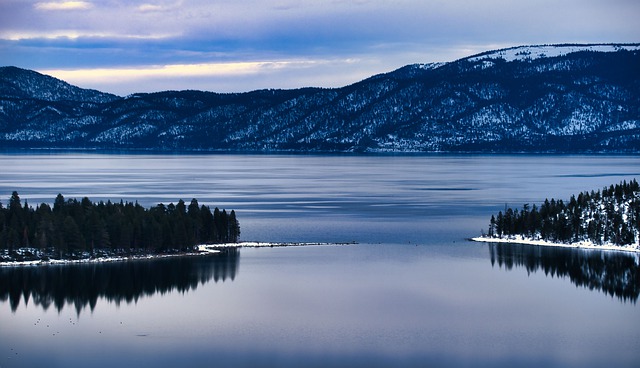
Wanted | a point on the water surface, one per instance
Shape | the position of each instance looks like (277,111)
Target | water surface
(413,292)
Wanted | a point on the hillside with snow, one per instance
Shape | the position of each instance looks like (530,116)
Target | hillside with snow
(550,98)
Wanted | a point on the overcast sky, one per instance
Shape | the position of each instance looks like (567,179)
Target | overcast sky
(124,47)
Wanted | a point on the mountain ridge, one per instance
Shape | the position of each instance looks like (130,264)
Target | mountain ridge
(547,98)
(14,83)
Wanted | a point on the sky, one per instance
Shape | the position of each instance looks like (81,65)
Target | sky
(124,47)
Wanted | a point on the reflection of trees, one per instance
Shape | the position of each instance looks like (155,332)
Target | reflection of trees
(614,273)
(83,284)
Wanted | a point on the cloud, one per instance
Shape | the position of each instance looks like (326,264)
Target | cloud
(76,35)
(181,70)
(151,8)
(64,5)
(163,7)
(220,77)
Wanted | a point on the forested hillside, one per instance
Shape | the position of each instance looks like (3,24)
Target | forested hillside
(610,216)
(75,227)
(549,98)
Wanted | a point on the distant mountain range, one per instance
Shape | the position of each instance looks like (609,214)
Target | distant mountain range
(552,98)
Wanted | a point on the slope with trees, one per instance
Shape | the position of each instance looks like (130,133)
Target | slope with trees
(607,217)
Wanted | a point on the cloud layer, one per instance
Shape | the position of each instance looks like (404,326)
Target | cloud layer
(150,45)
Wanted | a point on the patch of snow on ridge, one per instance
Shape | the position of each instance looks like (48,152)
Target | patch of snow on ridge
(537,52)
(430,66)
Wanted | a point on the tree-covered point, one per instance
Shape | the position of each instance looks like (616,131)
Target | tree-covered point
(73,226)
(610,216)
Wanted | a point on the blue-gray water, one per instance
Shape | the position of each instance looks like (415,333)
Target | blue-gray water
(412,292)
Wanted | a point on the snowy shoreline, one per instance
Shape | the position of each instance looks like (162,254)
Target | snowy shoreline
(544,243)
(255,244)
(202,250)
(137,257)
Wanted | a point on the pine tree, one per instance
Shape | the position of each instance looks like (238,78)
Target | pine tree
(234,228)
(492,226)
(208,233)
(44,227)
(73,239)
(500,225)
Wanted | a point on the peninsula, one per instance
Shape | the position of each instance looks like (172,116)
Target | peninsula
(83,230)
(607,219)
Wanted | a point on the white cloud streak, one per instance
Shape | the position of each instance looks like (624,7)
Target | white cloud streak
(218,77)
(72,34)
(193,70)
(64,5)
(151,8)
(176,70)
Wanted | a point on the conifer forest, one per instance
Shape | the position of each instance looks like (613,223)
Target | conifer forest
(81,226)
(609,216)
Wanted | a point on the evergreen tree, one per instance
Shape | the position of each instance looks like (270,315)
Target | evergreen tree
(208,233)
(234,228)
(195,221)
(73,239)
(492,226)
(500,225)
(44,228)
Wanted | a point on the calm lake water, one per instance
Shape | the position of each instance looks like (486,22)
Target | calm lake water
(413,292)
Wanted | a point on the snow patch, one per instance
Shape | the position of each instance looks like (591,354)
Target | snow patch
(430,66)
(42,262)
(578,245)
(249,244)
(537,52)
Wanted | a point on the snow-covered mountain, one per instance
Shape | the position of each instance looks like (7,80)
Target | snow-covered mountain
(552,98)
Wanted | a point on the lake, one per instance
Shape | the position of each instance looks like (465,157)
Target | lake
(412,292)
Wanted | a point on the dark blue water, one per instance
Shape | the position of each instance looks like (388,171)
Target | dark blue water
(412,292)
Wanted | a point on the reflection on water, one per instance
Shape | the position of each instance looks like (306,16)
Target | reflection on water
(82,284)
(614,273)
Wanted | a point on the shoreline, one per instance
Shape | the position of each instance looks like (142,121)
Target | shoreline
(257,244)
(109,259)
(202,250)
(543,243)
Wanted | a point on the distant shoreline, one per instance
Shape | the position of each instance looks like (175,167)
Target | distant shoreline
(202,250)
(544,243)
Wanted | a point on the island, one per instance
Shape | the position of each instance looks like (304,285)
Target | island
(83,230)
(606,219)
